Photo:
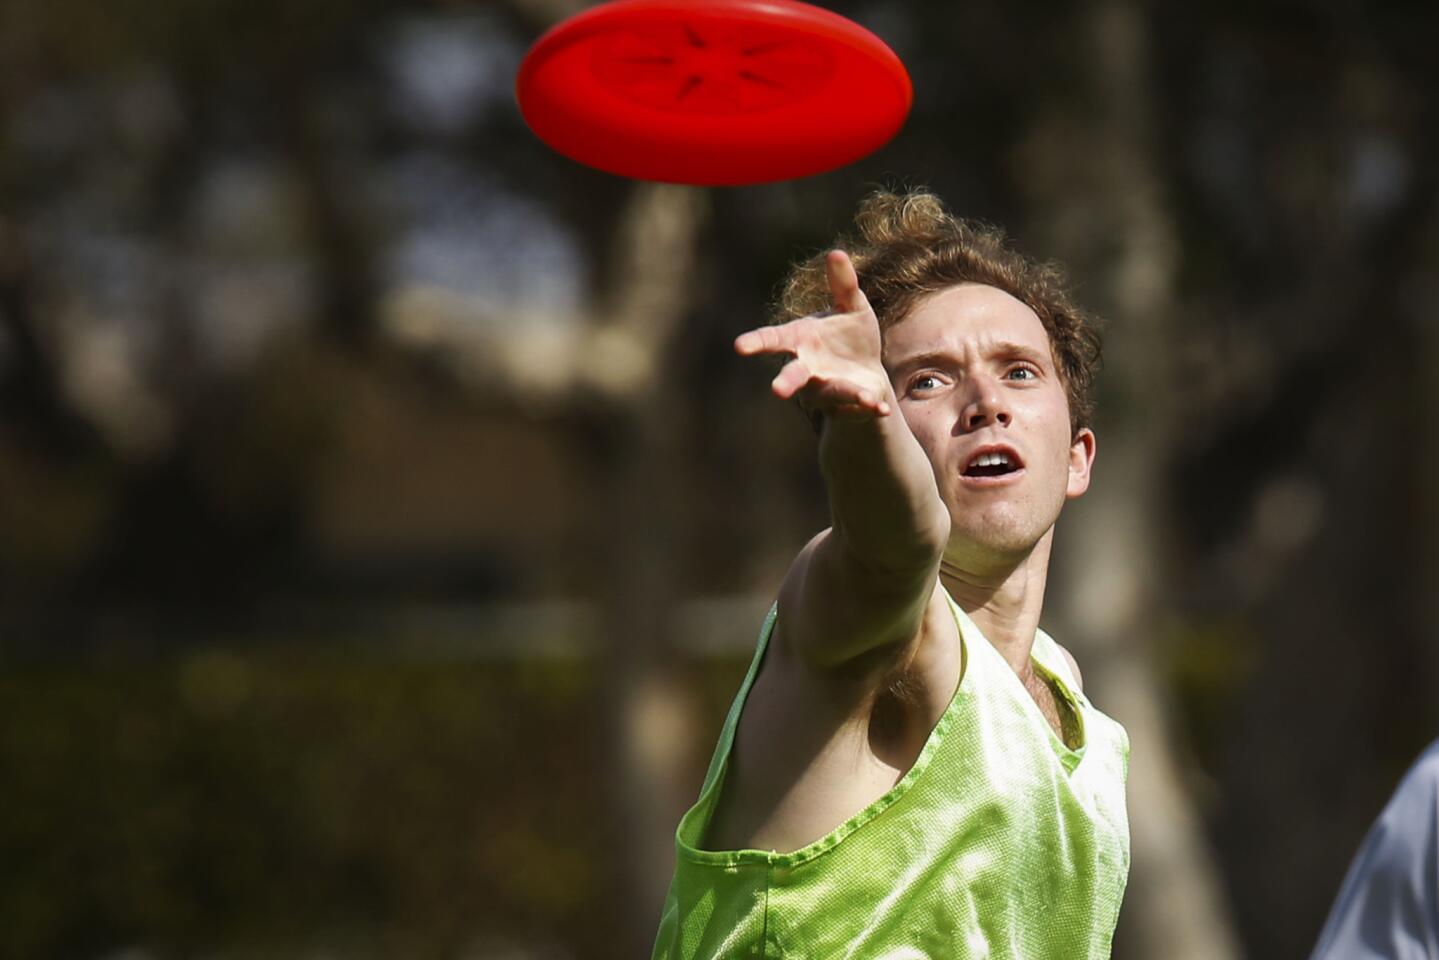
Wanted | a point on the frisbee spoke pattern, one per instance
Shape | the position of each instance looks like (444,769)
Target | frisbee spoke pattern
(712,92)
(692,66)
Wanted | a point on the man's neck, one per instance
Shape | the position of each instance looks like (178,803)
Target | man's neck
(1004,601)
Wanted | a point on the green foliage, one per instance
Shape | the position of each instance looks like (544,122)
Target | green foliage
(266,801)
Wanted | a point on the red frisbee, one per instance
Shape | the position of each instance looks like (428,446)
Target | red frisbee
(712,92)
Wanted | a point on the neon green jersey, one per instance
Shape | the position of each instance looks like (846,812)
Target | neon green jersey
(1000,841)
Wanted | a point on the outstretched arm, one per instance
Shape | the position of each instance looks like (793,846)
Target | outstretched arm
(861,587)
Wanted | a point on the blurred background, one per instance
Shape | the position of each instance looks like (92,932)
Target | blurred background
(386,522)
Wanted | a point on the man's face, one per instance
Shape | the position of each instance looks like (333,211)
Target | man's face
(974,373)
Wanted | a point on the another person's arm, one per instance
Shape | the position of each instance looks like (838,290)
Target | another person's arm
(1388,906)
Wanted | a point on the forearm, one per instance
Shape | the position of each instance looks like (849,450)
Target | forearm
(863,585)
(884,503)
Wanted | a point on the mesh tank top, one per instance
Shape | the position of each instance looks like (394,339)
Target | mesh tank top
(1000,841)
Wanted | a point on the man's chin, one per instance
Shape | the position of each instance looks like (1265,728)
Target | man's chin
(999,541)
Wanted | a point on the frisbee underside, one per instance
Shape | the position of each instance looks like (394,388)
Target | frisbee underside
(712,94)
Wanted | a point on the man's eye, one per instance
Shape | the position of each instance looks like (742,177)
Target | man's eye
(1028,374)
(927,381)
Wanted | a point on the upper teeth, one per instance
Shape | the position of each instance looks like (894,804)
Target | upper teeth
(991,460)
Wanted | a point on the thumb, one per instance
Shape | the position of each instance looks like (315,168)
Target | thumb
(844,283)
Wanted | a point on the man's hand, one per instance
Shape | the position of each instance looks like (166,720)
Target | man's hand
(835,367)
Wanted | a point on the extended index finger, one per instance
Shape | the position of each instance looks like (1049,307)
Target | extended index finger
(844,283)
(763,340)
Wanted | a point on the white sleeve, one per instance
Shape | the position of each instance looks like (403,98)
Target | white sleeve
(1388,906)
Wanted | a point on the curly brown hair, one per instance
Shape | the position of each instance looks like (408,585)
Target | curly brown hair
(908,246)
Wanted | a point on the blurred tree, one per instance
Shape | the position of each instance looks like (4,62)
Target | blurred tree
(1091,171)
(240,243)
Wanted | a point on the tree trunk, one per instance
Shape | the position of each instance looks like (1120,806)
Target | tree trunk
(1093,172)
(635,466)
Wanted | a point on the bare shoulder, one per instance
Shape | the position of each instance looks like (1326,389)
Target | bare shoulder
(817,744)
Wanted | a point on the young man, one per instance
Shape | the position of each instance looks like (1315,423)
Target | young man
(911,768)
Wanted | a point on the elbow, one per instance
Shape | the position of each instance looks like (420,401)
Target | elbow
(935,530)
(915,554)
(928,547)
(925,548)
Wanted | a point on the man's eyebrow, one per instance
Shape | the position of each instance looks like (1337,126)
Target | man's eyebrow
(1009,348)
(940,358)
(930,358)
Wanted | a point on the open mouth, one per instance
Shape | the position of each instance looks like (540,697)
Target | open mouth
(993,463)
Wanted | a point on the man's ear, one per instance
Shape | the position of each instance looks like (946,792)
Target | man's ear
(1081,461)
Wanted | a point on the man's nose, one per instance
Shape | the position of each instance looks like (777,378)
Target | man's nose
(984,405)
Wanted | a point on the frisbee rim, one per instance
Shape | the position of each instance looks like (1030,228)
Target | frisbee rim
(805,17)
(668,145)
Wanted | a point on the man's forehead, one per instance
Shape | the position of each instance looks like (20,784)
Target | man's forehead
(966,318)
